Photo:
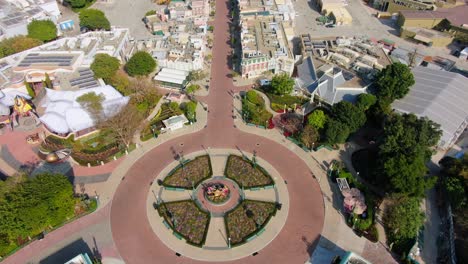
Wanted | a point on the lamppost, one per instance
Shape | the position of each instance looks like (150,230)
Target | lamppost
(357,174)
(229,242)
(284,109)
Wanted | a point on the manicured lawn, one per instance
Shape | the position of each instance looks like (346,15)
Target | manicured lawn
(255,112)
(185,218)
(278,101)
(245,173)
(194,171)
(247,219)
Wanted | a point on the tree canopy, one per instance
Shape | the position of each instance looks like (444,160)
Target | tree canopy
(349,115)
(17,44)
(406,147)
(92,102)
(105,66)
(29,206)
(44,30)
(309,136)
(77,3)
(365,101)
(93,19)
(141,63)
(403,220)
(282,84)
(394,82)
(336,132)
(455,180)
(190,110)
(317,119)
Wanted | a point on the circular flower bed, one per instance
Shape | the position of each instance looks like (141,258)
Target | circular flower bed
(216,192)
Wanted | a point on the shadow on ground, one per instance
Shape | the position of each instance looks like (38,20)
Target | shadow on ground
(70,251)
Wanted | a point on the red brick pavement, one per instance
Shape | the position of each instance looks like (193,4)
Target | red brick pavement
(132,233)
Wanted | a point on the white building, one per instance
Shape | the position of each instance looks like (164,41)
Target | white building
(15,15)
(175,122)
(64,115)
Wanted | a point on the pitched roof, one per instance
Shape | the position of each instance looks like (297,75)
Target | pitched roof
(439,95)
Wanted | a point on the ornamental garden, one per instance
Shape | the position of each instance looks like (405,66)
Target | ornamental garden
(217,196)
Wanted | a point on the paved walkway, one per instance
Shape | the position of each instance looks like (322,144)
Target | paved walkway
(294,244)
(213,250)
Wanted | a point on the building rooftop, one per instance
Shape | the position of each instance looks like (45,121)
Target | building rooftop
(457,16)
(439,95)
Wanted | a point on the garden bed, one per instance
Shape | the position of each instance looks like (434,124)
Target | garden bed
(247,219)
(164,113)
(186,219)
(255,112)
(194,171)
(245,173)
(278,101)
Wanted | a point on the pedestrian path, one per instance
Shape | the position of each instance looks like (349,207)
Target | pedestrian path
(335,228)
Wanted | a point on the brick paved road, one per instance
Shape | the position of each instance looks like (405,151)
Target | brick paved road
(131,231)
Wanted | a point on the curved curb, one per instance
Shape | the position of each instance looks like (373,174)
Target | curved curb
(222,253)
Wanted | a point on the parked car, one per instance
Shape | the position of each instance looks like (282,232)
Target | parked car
(330,25)
(264,82)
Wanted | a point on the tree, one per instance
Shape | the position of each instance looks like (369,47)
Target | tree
(44,30)
(141,63)
(196,75)
(406,147)
(336,132)
(190,110)
(309,136)
(365,101)
(349,114)
(76,3)
(29,206)
(123,125)
(93,19)
(17,44)
(191,89)
(403,220)
(455,191)
(104,66)
(92,102)
(282,84)
(317,119)
(120,82)
(455,180)
(394,82)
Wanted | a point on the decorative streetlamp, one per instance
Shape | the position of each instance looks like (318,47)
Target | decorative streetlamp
(254,159)
(229,242)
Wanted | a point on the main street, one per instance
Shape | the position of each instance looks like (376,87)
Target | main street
(131,231)
(133,237)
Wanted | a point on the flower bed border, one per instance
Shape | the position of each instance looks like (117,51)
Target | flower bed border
(257,231)
(178,234)
(179,166)
(251,163)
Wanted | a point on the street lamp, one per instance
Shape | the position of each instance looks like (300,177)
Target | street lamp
(284,109)
(229,242)
(153,130)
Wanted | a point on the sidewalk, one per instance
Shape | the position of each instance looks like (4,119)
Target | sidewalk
(106,194)
(335,228)
(216,247)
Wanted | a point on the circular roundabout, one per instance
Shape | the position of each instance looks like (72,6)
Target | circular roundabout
(217,207)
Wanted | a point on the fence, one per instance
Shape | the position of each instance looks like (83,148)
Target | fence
(453,257)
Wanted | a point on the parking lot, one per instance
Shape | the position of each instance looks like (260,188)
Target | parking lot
(129,14)
(364,24)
